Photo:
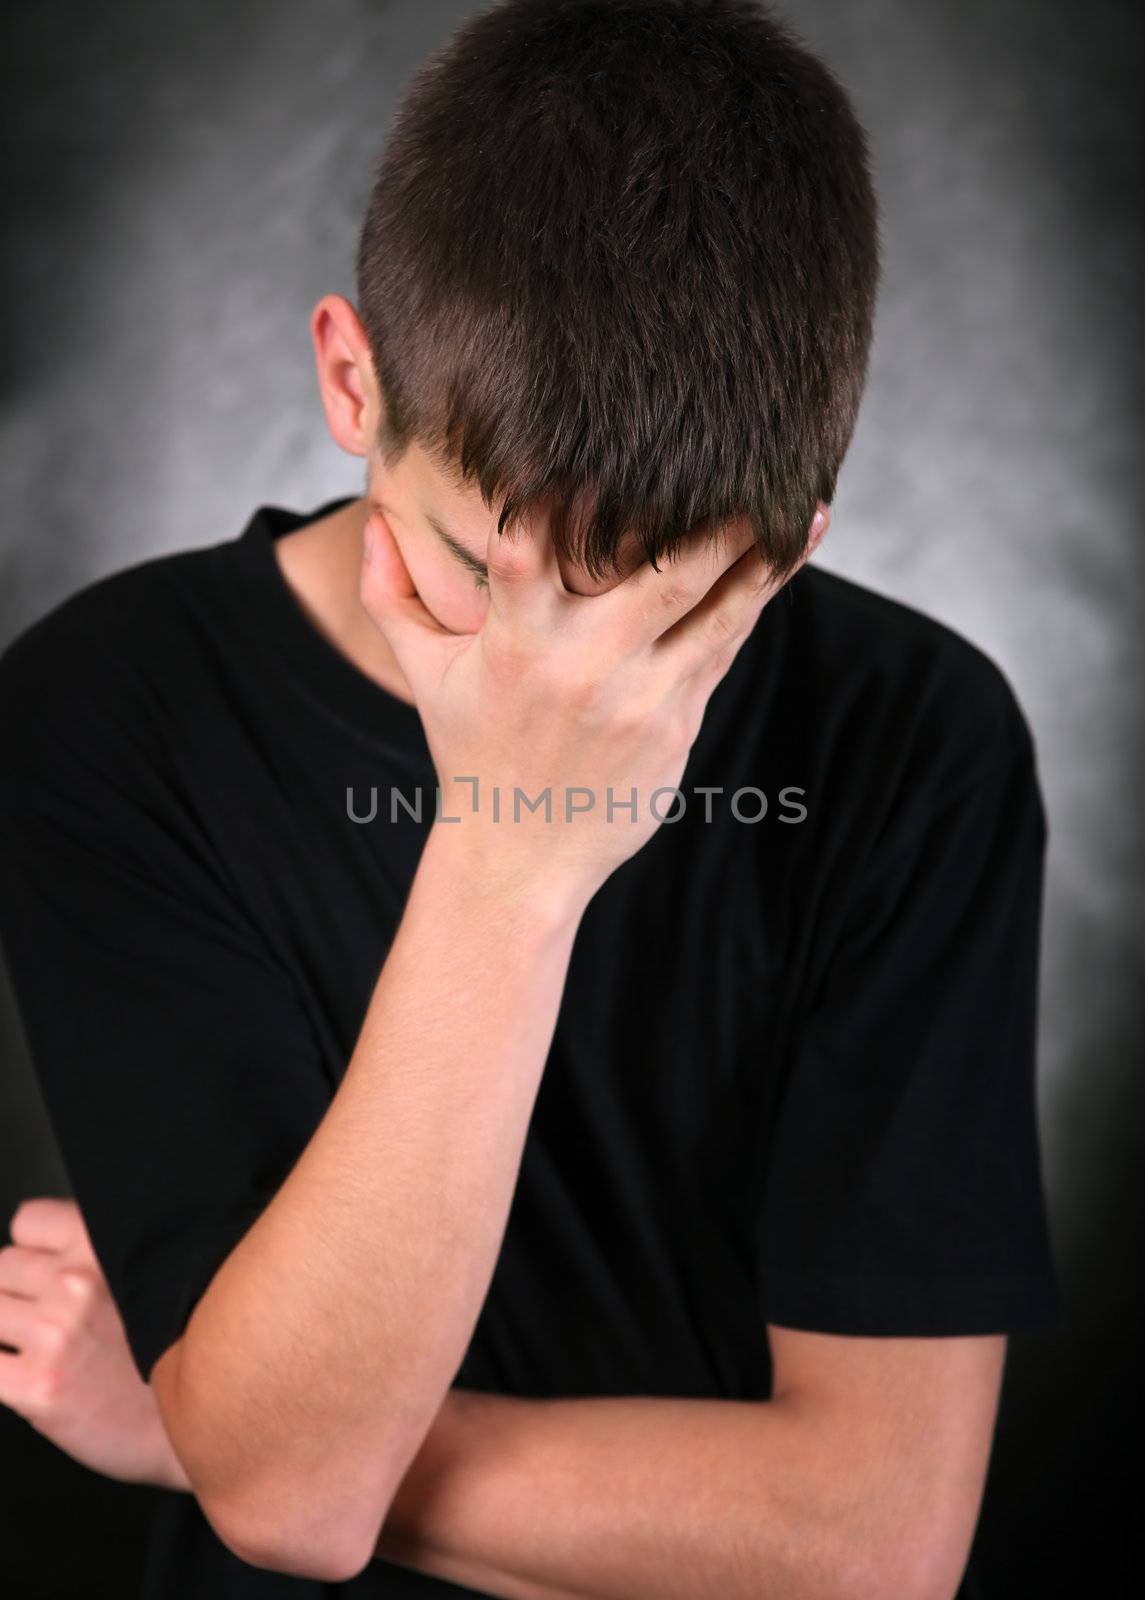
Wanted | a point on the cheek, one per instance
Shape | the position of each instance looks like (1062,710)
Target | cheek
(449,595)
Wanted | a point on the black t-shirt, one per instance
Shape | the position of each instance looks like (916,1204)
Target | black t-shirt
(792,1078)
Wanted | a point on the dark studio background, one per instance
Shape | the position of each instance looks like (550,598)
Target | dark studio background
(183,181)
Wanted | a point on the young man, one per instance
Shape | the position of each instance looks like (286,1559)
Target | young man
(574,1188)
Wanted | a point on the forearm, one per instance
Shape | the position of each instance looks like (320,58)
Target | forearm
(314,1363)
(618,1499)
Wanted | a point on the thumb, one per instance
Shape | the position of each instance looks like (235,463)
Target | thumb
(388,596)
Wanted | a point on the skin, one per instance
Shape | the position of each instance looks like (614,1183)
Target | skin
(322,561)
(464,1507)
(69,1372)
(296,1431)
(862,1475)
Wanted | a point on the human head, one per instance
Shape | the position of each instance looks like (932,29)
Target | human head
(619,270)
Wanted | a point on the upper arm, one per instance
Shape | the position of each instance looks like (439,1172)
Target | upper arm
(901,1224)
(175,1055)
(911,1420)
(900,1185)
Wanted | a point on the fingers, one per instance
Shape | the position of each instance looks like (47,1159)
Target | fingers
(388,595)
(645,605)
(524,575)
(47,1223)
(27,1273)
(36,1291)
(38,1334)
(712,632)
(21,1319)
(706,640)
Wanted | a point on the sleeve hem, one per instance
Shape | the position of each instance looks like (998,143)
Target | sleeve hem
(156,1312)
(911,1307)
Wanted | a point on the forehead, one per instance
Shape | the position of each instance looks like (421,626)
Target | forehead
(463,524)
(573,575)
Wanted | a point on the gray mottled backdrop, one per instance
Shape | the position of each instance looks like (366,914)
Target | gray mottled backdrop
(185,180)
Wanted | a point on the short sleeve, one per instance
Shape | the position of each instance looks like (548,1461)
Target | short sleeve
(903,1193)
(175,1060)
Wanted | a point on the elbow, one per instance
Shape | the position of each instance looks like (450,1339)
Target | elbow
(321,1566)
(306,1527)
(302,1527)
(924,1567)
(299,1527)
(890,1580)
(340,1553)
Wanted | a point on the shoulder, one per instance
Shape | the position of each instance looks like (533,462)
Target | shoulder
(92,672)
(910,681)
(134,605)
(908,729)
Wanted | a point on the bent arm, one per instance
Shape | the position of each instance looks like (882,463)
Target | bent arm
(313,1365)
(611,1498)
(861,1478)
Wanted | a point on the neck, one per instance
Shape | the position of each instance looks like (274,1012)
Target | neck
(320,564)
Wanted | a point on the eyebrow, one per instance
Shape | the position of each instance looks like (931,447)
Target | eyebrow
(455,546)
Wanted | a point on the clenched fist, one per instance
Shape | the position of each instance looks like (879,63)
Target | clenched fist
(66,1367)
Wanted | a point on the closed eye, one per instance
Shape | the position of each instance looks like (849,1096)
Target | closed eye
(459,552)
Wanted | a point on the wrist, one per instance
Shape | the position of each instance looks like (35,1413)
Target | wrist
(489,870)
(171,1475)
(165,1470)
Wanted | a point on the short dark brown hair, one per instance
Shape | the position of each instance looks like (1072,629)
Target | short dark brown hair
(624,254)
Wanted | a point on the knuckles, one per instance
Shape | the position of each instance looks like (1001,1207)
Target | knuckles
(675,596)
(508,561)
(52,1337)
(45,1391)
(508,656)
(583,694)
(723,624)
(83,1289)
(716,665)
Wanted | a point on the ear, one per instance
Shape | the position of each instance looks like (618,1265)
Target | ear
(819,525)
(345,373)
